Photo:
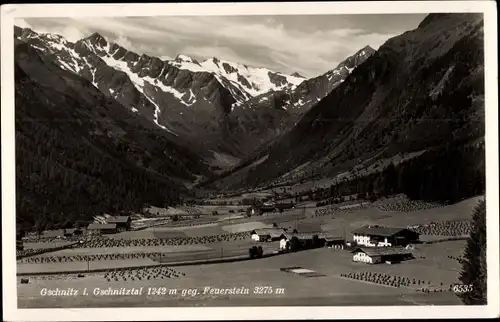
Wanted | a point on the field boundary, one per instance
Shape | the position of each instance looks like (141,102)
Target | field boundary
(454,238)
(173,264)
(47,250)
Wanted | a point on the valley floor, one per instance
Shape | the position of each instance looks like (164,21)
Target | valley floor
(435,266)
(328,289)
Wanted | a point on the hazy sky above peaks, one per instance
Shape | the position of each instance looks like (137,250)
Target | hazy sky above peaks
(308,44)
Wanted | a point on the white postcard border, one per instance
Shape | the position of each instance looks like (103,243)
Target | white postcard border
(9,12)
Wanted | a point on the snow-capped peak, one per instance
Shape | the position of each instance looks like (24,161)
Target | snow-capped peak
(184,58)
(251,81)
(296,74)
(96,38)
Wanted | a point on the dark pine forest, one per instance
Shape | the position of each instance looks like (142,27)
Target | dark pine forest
(72,165)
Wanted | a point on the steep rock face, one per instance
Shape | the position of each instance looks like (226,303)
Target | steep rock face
(182,96)
(299,99)
(80,153)
(215,105)
(264,118)
(242,81)
(421,89)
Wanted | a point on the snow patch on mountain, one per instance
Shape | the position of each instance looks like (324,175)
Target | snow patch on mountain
(92,72)
(156,115)
(251,81)
(187,63)
(139,82)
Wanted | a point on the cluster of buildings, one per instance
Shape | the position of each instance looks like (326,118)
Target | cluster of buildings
(284,237)
(113,225)
(376,244)
(375,255)
(377,236)
(371,244)
(270,206)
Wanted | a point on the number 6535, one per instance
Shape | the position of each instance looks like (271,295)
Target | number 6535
(461,288)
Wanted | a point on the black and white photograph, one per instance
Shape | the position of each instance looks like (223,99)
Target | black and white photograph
(273,155)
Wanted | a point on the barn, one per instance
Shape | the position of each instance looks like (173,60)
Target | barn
(377,236)
(331,240)
(122,222)
(306,239)
(98,229)
(266,208)
(284,206)
(267,234)
(254,210)
(372,255)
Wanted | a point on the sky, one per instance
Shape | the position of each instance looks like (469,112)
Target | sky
(307,44)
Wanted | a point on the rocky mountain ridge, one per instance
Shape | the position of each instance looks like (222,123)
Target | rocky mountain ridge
(421,90)
(204,101)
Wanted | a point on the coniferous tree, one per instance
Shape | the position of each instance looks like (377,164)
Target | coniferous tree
(473,275)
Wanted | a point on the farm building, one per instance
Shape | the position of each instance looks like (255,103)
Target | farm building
(97,229)
(331,240)
(306,239)
(258,210)
(372,255)
(266,208)
(377,236)
(255,210)
(122,222)
(267,234)
(270,207)
(284,206)
(59,233)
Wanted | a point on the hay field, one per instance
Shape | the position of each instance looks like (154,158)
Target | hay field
(133,234)
(230,217)
(197,277)
(248,226)
(125,250)
(435,267)
(326,290)
(165,211)
(79,266)
(211,229)
(220,208)
(374,216)
(180,228)
(190,231)
(53,244)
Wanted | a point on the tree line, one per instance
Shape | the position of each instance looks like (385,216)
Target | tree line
(68,172)
(446,175)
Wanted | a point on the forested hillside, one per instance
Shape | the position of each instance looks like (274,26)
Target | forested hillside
(422,90)
(444,174)
(79,153)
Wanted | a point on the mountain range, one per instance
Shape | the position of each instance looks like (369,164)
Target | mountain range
(420,90)
(201,101)
(101,128)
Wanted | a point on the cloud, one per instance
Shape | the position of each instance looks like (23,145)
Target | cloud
(308,44)
(72,34)
(165,58)
(124,42)
(224,53)
(21,23)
